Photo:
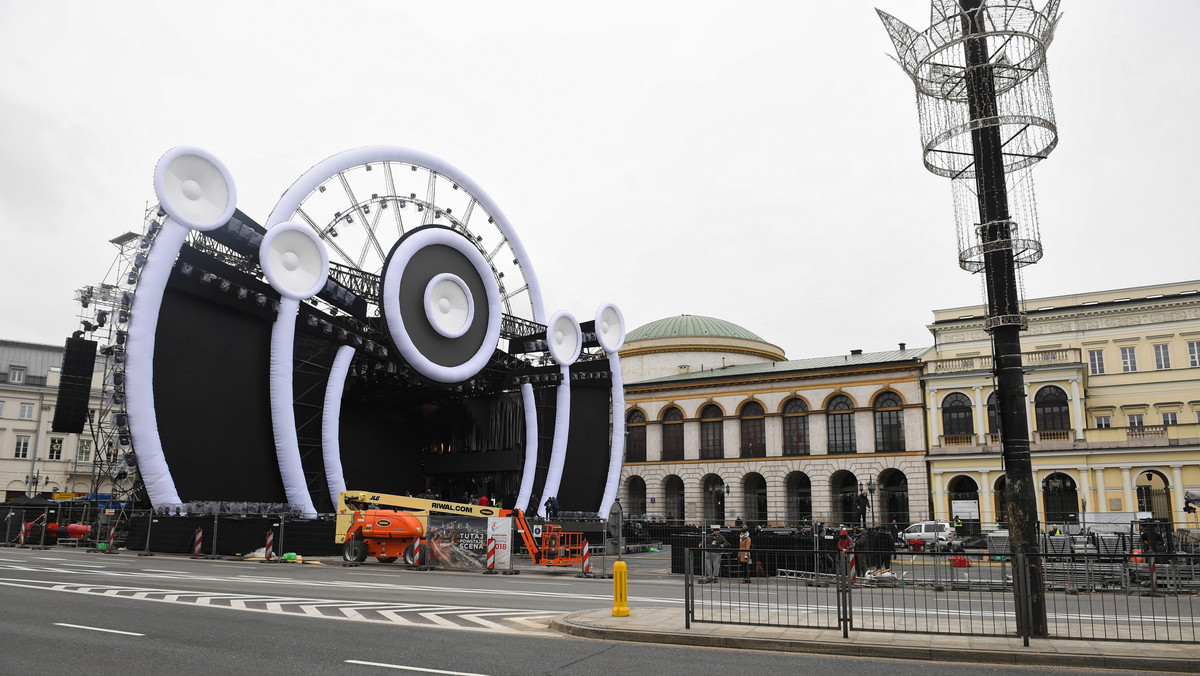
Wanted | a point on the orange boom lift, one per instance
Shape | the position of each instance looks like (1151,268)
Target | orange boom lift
(387,527)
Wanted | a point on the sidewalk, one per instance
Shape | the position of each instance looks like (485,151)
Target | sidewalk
(666,625)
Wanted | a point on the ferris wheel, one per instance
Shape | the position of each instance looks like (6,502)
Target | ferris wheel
(362,202)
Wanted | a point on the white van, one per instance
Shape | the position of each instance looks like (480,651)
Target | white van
(935,536)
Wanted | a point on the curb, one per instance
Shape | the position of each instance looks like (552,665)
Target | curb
(565,625)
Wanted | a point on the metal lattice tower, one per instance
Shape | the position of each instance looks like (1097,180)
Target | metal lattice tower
(987,117)
(105,319)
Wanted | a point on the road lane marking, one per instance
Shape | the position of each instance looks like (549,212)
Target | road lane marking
(384,665)
(108,631)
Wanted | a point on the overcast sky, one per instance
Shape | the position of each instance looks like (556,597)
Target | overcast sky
(754,161)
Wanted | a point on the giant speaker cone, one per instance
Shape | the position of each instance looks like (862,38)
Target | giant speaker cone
(441,304)
(194,188)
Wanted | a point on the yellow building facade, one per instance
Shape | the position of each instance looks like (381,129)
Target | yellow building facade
(1112,385)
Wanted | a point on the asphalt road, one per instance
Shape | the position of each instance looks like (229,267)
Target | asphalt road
(69,612)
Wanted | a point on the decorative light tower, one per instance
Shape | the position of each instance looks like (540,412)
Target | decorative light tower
(983,96)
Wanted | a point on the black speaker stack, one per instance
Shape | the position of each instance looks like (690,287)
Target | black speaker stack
(75,386)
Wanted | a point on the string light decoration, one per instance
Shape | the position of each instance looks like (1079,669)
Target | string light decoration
(987,117)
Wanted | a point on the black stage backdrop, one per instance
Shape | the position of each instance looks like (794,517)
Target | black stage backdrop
(213,407)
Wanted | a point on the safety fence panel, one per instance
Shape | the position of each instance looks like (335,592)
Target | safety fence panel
(775,588)
(1107,597)
(1136,597)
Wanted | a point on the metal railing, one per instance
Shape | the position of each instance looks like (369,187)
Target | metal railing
(1118,597)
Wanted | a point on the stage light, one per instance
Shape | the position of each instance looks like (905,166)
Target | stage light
(122,316)
(260,300)
(311,320)
(120,337)
(366,208)
(101,317)
(402,204)
(186,269)
(242,292)
(132,278)
(139,259)
(225,284)
(320,188)
(368,167)
(88,326)
(207,278)
(155,226)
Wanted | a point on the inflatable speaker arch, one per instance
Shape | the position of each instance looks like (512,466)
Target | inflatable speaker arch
(382,329)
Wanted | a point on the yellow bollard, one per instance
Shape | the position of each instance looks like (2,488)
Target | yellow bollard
(620,590)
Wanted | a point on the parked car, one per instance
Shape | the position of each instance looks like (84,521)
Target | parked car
(935,536)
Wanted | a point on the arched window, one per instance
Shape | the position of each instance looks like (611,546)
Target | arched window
(753,423)
(889,423)
(795,427)
(958,421)
(993,419)
(712,433)
(635,486)
(672,434)
(1053,414)
(839,421)
(635,444)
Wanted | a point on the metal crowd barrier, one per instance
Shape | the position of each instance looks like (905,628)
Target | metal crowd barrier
(1088,596)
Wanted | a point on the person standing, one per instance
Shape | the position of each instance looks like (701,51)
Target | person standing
(861,504)
(744,554)
(712,546)
(483,500)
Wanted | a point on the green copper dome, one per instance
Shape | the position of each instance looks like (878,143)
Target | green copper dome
(685,326)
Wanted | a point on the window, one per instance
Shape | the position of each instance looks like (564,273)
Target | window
(839,423)
(753,424)
(21,450)
(958,422)
(1103,422)
(1170,418)
(1053,414)
(1162,357)
(712,433)
(84,453)
(56,446)
(1128,360)
(635,440)
(91,417)
(1194,353)
(889,423)
(1096,362)
(1135,420)
(1,409)
(672,434)
(16,374)
(795,427)
(993,415)
(26,411)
